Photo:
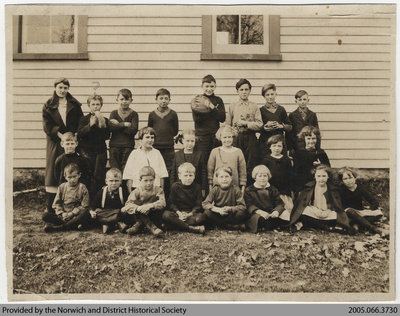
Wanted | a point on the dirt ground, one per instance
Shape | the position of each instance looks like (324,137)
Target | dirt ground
(221,261)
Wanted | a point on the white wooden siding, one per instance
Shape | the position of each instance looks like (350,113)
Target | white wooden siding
(349,84)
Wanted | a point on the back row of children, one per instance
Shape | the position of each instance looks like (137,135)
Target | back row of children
(244,118)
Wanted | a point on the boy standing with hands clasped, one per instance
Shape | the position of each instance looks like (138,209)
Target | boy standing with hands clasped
(123,125)
(208,111)
(93,132)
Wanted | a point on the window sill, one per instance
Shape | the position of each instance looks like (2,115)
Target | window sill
(255,57)
(47,56)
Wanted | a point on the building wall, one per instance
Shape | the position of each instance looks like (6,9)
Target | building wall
(350,84)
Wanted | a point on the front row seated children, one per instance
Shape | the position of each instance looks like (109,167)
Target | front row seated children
(145,204)
(353,196)
(185,212)
(306,159)
(227,156)
(69,143)
(263,202)
(319,204)
(280,166)
(145,155)
(106,206)
(224,205)
(70,204)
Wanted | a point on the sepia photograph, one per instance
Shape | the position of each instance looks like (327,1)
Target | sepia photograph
(200,152)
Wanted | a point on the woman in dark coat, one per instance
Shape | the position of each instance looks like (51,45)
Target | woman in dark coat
(60,114)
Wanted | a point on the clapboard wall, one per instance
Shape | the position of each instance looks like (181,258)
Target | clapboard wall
(350,84)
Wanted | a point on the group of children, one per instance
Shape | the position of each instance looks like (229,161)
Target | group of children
(261,170)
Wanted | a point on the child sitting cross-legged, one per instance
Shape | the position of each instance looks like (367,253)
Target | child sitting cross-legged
(106,206)
(264,203)
(70,204)
(146,203)
(185,211)
(224,205)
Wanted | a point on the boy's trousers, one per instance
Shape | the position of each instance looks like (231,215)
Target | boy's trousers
(81,218)
(247,142)
(235,218)
(172,221)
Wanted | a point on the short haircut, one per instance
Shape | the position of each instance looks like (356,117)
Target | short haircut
(347,170)
(308,131)
(241,82)
(225,129)
(70,168)
(163,91)
(147,171)
(324,168)
(226,169)
(147,130)
(300,93)
(61,80)
(186,166)
(126,93)
(266,87)
(208,79)
(69,136)
(274,140)
(114,172)
(258,169)
(95,97)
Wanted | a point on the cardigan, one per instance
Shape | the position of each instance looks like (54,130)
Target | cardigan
(123,136)
(247,111)
(166,129)
(208,123)
(197,159)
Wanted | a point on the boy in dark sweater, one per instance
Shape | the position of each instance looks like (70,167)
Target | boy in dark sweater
(206,123)
(300,118)
(123,126)
(69,143)
(185,211)
(107,203)
(165,122)
(93,132)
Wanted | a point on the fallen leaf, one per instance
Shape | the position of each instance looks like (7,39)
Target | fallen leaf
(303,267)
(138,286)
(40,255)
(346,272)
(359,246)
(337,261)
(231,253)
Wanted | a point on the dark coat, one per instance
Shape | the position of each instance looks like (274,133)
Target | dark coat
(297,125)
(52,124)
(333,200)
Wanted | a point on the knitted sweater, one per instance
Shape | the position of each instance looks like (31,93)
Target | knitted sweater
(139,197)
(123,136)
(185,198)
(281,171)
(83,163)
(208,123)
(354,199)
(166,128)
(92,138)
(231,196)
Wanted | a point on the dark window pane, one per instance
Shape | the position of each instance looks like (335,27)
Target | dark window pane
(251,29)
(227,29)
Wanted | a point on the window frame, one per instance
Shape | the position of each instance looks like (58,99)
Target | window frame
(274,53)
(82,45)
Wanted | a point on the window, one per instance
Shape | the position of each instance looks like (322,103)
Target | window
(238,37)
(50,37)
